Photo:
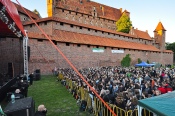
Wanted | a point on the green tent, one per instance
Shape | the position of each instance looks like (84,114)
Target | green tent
(163,105)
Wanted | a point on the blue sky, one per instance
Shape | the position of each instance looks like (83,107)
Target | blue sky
(144,14)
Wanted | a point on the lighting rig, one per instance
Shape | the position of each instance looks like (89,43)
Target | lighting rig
(11,25)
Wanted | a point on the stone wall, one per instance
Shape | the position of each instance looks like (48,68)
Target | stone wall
(45,57)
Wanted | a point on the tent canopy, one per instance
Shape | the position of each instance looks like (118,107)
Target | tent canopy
(163,105)
(144,64)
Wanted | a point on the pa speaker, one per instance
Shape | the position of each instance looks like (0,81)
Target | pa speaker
(10,69)
(37,76)
(28,52)
(21,107)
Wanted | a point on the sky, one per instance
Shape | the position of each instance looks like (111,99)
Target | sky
(144,14)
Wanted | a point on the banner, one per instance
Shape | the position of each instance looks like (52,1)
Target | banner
(101,50)
(117,51)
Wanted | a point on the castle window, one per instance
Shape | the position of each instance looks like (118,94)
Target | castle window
(69,12)
(102,32)
(88,29)
(71,26)
(88,46)
(67,44)
(45,23)
(55,42)
(105,47)
(62,10)
(24,18)
(80,27)
(108,33)
(78,45)
(145,42)
(39,40)
(97,46)
(96,31)
(61,23)
(112,48)
(30,25)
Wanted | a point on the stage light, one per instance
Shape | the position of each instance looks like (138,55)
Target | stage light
(18,34)
(3,17)
(3,9)
(12,27)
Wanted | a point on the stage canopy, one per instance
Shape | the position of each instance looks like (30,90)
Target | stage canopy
(144,64)
(162,105)
(10,23)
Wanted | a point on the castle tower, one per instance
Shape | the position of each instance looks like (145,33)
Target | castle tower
(159,35)
(50,7)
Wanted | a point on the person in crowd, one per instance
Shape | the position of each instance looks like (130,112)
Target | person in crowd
(42,111)
(31,78)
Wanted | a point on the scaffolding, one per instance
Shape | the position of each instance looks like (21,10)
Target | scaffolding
(25,43)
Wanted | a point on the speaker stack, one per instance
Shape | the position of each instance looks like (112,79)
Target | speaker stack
(37,74)
(21,107)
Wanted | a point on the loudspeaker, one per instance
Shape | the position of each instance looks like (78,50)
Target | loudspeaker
(37,76)
(28,52)
(10,69)
(21,107)
(37,71)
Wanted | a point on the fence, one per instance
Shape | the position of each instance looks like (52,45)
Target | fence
(94,103)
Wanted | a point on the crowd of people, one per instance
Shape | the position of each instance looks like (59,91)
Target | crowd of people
(124,86)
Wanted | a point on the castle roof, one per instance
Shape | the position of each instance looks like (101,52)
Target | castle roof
(86,7)
(160,27)
(32,14)
(142,34)
(78,38)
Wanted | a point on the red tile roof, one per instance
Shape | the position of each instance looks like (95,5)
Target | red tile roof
(168,51)
(160,27)
(80,24)
(87,7)
(32,14)
(142,34)
(72,37)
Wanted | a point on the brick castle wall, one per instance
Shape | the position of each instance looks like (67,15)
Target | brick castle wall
(45,57)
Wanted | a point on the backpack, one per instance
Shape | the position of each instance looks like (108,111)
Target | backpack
(83,105)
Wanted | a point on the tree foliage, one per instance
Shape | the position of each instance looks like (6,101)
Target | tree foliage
(147,61)
(139,60)
(171,46)
(124,24)
(36,12)
(126,61)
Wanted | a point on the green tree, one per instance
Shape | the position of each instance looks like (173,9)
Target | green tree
(147,61)
(36,12)
(171,46)
(139,60)
(124,24)
(126,61)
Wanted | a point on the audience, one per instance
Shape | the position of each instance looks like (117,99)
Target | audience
(124,86)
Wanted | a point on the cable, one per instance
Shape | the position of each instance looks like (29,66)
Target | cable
(68,61)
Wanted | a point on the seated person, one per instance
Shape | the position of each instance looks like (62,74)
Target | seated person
(18,95)
(41,111)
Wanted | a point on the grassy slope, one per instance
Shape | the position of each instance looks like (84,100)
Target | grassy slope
(58,101)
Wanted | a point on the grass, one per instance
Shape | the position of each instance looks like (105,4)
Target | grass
(55,97)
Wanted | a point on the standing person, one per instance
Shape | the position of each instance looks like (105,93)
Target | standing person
(55,71)
(31,78)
